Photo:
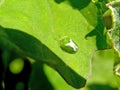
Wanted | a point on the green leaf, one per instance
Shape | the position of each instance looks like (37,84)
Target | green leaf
(45,22)
(39,52)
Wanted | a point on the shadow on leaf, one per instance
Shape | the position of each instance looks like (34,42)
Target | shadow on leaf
(101,87)
(28,46)
(59,1)
(77,4)
(85,7)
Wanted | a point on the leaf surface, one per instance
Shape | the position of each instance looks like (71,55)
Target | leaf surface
(39,26)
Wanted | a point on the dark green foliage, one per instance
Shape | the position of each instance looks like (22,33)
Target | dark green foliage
(1,70)
(11,79)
